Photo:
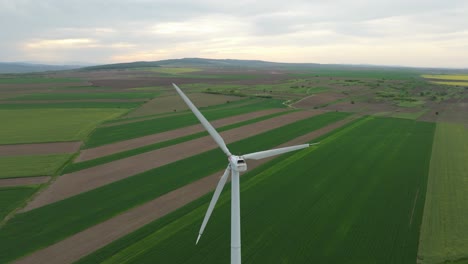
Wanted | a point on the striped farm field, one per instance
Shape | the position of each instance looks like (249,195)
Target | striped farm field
(444,232)
(306,209)
(69,216)
(111,134)
(128,153)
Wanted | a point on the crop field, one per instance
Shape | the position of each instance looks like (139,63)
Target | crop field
(48,125)
(106,135)
(77,104)
(449,77)
(38,165)
(305,209)
(174,103)
(92,207)
(12,197)
(82,96)
(444,232)
(21,80)
(120,155)
(358,197)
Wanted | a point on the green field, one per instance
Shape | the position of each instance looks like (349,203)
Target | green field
(50,105)
(22,79)
(444,233)
(12,197)
(106,135)
(64,218)
(305,209)
(84,96)
(49,125)
(38,165)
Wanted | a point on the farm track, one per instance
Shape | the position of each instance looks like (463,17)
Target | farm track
(39,148)
(24,181)
(112,148)
(81,181)
(85,242)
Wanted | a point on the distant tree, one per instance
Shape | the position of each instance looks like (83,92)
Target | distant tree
(352,102)
(437,113)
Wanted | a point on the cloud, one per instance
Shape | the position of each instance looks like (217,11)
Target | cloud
(359,31)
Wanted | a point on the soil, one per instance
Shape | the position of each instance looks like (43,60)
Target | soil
(39,148)
(81,181)
(109,149)
(83,243)
(24,181)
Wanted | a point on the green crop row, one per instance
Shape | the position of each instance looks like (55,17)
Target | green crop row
(355,199)
(64,218)
(12,197)
(35,165)
(125,154)
(107,135)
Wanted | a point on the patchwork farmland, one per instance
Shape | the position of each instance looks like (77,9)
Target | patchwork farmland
(104,165)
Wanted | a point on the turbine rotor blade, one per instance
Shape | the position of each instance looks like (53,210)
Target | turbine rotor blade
(274,152)
(214,134)
(219,188)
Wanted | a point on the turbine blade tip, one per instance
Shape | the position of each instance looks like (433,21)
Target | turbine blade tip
(196,243)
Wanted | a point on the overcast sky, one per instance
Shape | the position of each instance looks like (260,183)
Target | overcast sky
(424,33)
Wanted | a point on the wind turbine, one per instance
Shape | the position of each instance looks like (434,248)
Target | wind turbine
(236,164)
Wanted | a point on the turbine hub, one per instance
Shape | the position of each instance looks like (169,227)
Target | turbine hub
(238,162)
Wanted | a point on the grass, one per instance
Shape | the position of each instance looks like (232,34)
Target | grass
(12,197)
(37,165)
(72,167)
(444,232)
(83,96)
(100,105)
(51,125)
(107,135)
(64,218)
(26,79)
(305,208)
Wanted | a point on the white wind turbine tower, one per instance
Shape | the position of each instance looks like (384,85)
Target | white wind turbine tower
(236,164)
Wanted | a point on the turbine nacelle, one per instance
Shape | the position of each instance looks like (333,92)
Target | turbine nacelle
(238,163)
